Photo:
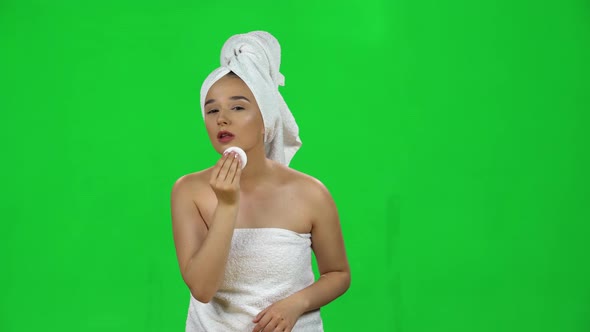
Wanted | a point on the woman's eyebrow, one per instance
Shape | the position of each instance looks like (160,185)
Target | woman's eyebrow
(231,98)
(239,97)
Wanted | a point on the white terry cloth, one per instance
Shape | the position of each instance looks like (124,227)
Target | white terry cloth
(264,266)
(256,57)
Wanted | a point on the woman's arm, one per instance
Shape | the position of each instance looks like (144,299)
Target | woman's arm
(202,254)
(328,246)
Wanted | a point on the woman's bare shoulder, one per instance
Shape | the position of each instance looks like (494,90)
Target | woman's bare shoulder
(315,196)
(192,181)
(306,184)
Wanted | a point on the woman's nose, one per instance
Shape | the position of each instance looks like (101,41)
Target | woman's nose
(222,118)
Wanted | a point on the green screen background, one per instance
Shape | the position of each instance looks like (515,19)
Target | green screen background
(451,134)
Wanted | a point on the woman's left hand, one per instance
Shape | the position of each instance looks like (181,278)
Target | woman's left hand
(280,316)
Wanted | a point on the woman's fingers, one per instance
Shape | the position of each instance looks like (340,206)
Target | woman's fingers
(262,323)
(225,178)
(270,323)
(260,314)
(237,172)
(224,165)
(229,159)
(219,166)
(270,327)
(231,170)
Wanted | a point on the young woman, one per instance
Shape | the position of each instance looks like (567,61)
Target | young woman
(244,237)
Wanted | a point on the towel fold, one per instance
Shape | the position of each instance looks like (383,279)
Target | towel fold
(264,265)
(256,57)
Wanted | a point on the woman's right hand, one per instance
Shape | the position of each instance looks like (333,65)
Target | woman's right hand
(225,179)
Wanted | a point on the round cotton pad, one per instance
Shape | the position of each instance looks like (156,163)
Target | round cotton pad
(240,152)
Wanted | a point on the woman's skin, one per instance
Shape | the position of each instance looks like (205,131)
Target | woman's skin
(208,205)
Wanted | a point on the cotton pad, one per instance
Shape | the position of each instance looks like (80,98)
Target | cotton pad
(240,152)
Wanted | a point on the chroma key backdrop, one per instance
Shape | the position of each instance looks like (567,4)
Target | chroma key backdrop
(453,136)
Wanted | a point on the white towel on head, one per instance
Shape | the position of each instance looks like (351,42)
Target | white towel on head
(256,57)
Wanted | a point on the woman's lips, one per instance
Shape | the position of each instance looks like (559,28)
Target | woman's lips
(225,136)
(226,139)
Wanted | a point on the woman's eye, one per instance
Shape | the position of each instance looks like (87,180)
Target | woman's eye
(211,111)
(238,108)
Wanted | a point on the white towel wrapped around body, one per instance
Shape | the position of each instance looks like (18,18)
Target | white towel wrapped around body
(264,266)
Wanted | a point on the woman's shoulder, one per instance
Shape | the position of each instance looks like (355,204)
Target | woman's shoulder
(304,183)
(192,181)
(314,195)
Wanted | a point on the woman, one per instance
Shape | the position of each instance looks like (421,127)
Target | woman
(244,237)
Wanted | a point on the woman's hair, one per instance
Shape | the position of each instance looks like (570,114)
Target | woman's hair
(231,73)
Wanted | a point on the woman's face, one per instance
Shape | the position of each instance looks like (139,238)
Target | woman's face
(232,116)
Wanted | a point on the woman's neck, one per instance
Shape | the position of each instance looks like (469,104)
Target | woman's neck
(257,170)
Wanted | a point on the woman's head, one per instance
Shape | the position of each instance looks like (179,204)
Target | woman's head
(254,57)
(230,107)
